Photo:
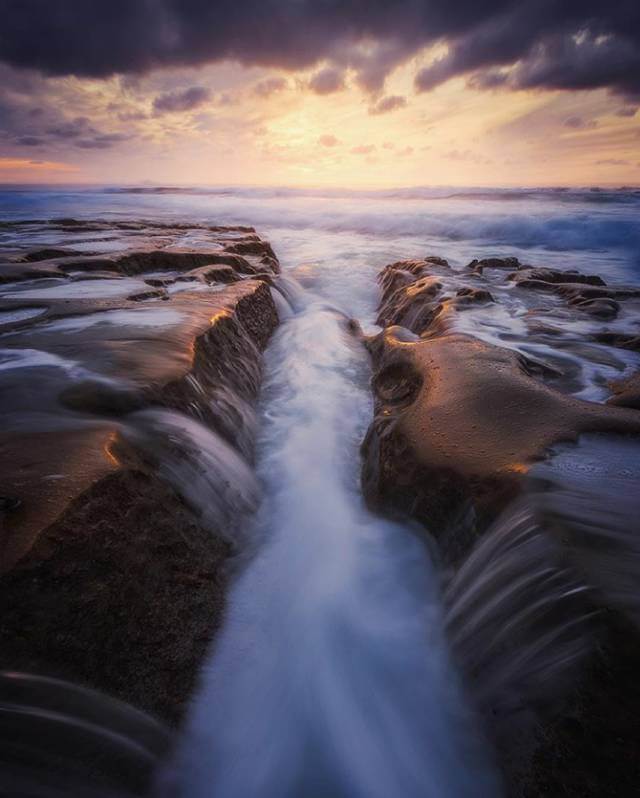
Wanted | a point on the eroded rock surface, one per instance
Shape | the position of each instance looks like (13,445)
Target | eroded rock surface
(126,397)
(458,422)
(481,390)
(479,373)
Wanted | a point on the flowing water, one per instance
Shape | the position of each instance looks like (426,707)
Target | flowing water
(331,676)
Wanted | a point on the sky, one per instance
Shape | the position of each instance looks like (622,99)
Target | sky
(348,93)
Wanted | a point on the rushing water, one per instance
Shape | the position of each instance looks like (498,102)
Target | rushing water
(331,676)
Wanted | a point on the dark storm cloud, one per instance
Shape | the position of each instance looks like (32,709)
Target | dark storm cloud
(327,81)
(29,141)
(566,44)
(183,100)
(43,125)
(552,45)
(71,129)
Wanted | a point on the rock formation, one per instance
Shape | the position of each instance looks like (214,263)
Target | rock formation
(112,555)
(473,388)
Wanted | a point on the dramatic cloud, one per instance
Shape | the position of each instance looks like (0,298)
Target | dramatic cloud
(327,81)
(35,119)
(29,141)
(386,104)
(561,44)
(70,129)
(184,100)
(269,86)
(569,45)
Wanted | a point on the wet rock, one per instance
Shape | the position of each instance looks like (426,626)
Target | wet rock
(459,425)
(621,340)
(469,296)
(8,504)
(478,266)
(123,592)
(48,254)
(113,577)
(159,282)
(219,274)
(144,295)
(13,272)
(626,392)
(530,277)
(254,247)
(415,297)
(601,308)
(412,305)
(102,398)
(451,441)
(207,365)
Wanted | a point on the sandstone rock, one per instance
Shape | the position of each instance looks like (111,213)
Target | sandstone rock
(626,392)
(123,592)
(111,576)
(457,424)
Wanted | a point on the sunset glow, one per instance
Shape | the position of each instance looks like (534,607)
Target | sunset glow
(366,119)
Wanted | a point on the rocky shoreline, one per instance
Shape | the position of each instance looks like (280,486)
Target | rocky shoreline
(131,360)
(459,426)
(113,574)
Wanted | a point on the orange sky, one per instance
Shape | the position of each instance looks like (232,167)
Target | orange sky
(265,127)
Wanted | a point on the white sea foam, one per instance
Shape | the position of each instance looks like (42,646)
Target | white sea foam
(331,676)
(79,289)
(141,317)
(20,314)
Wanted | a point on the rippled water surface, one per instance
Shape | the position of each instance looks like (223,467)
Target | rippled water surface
(584,229)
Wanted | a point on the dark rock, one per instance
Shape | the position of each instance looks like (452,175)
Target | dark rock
(122,593)
(8,504)
(48,254)
(254,247)
(144,295)
(472,296)
(554,276)
(102,398)
(601,308)
(478,266)
(620,340)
